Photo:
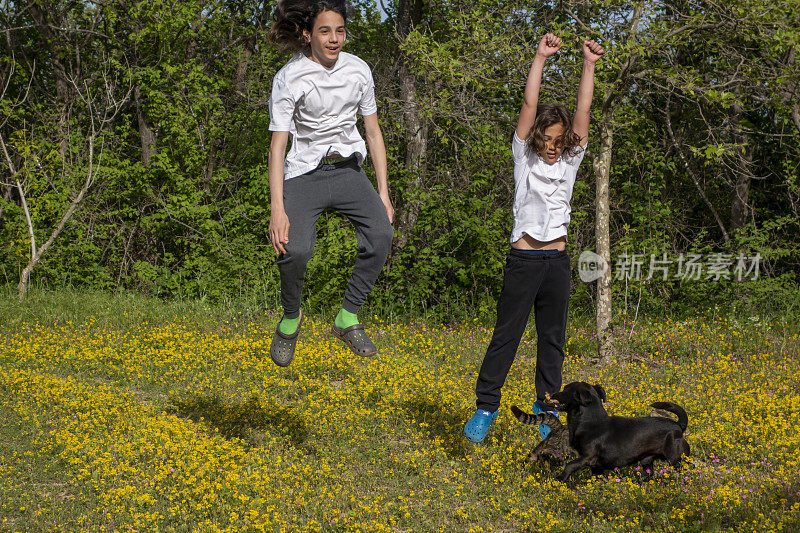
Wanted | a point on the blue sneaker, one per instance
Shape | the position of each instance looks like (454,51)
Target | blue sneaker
(544,429)
(478,426)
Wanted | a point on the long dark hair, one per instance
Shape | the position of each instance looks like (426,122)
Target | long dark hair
(294,16)
(546,116)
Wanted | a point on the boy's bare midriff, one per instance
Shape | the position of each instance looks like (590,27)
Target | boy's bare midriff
(529,243)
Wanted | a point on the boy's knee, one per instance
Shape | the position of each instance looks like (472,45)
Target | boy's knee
(383,238)
(300,255)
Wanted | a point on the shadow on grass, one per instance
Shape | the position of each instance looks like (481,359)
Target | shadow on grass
(437,422)
(243,420)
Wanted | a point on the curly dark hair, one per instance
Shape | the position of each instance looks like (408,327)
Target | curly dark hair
(294,16)
(546,116)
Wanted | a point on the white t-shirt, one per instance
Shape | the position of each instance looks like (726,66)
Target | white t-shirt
(542,192)
(318,107)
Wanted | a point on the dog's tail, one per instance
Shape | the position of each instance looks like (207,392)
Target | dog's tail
(683,418)
(537,419)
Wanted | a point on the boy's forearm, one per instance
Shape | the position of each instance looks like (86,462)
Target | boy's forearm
(277,156)
(586,86)
(377,151)
(534,83)
(276,182)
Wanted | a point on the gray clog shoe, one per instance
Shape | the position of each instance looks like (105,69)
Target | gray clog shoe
(356,339)
(282,348)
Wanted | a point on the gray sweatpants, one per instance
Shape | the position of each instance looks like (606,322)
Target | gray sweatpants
(348,190)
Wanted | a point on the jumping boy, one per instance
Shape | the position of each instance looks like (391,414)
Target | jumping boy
(315,98)
(548,147)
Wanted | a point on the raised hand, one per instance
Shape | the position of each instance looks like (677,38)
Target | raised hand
(549,45)
(592,51)
(580,122)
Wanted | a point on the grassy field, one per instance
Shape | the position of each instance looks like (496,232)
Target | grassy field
(126,414)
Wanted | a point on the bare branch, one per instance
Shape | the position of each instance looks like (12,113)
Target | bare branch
(688,168)
(577,19)
(59,28)
(27,89)
(386,11)
(21,192)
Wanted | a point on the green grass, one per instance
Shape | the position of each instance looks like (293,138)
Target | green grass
(126,411)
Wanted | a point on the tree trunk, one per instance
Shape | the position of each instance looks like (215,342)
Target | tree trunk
(36,253)
(42,15)
(241,67)
(26,273)
(24,280)
(741,191)
(794,110)
(602,172)
(146,133)
(416,131)
(63,92)
(796,116)
(22,288)
(743,173)
(409,14)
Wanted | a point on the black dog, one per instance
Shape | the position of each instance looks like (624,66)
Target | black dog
(604,442)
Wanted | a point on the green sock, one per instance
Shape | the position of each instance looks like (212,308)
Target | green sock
(345,319)
(289,325)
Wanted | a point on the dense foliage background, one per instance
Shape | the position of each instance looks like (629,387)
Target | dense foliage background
(137,133)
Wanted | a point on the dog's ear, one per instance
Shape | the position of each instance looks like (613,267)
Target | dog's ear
(600,392)
(585,396)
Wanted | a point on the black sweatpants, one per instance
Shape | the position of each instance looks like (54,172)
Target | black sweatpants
(540,281)
(344,188)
